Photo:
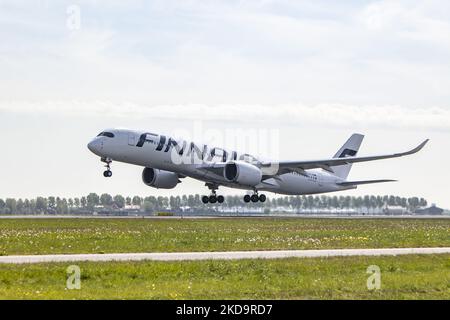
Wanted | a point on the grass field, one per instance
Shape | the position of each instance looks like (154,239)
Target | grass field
(51,236)
(403,277)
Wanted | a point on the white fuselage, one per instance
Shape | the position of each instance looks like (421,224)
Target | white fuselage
(189,160)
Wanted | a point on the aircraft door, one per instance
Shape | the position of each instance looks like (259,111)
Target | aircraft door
(131,139)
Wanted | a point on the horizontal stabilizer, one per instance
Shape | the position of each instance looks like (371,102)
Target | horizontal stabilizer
(355,183)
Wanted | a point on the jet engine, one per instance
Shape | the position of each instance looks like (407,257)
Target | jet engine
(160,179)
(242,173)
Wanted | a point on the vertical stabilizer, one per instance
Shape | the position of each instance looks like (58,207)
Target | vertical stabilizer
(349,149)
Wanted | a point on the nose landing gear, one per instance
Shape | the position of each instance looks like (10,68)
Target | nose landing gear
(107,173)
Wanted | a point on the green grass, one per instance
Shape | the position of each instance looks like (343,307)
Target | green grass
(403,277)
(51,236)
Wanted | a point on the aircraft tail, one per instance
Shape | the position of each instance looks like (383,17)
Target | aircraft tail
(349,149)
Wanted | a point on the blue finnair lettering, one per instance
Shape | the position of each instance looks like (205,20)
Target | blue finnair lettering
(177,147)
(162,141)
(191,149)
(143,139)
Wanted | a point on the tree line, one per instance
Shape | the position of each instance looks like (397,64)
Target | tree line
(106,202)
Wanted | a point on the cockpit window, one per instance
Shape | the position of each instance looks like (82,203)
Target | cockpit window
(106,134)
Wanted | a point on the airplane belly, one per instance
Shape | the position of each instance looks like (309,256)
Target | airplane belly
(294,184)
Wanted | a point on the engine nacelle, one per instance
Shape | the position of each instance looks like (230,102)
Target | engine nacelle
(160,179)
(243,173)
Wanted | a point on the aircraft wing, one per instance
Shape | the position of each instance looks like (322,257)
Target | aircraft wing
(356,183)
(327,164)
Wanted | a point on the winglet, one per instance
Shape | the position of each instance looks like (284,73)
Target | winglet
(418,148)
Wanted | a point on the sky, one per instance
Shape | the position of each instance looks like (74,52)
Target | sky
(303,75)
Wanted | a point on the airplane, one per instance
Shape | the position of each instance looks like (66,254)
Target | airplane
(167,160)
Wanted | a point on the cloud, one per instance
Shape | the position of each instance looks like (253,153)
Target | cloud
(337,115)
(254,55)
(419,22)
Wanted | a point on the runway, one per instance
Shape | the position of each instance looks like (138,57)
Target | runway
(230,216)
(232,255)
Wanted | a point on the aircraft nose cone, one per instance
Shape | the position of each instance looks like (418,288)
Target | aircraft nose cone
(94,146)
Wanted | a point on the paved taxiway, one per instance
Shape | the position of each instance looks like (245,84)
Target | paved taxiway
(232,255)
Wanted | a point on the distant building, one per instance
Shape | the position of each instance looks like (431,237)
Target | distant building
(433,210)
(394,210)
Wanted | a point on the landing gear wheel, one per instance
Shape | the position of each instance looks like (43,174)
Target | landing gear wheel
(108,172)
(205,199)
(213,198)
(254,198)
(247,198)
(262,198)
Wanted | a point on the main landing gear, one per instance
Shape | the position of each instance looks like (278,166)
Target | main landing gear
(107,173)
(255,198)
(213,198)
